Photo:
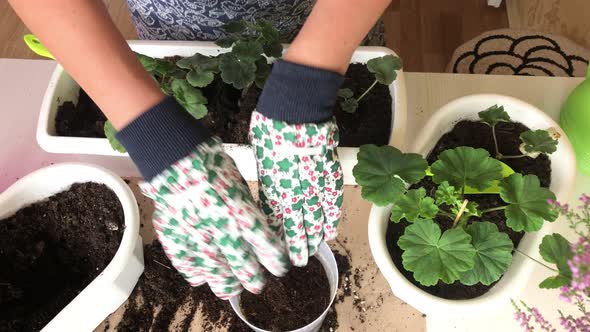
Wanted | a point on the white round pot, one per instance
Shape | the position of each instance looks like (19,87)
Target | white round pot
(112,287)
(326,257)
(563,172)
(62,88)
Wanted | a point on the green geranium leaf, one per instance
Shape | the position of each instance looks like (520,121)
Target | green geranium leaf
(110,133)
(556,249)
(447,194)
(262,72)
(349,105)
(493,254)
(432,257)
(466,166)
(238,73)
(385,68)
(557,281)
(538,141)
(235,26)
(384,171)
(190,98)
(493,115)
(345,93)
(412,205)
(199,62)
(527,202)
(226,42)
(198,111)
(147,62)
(267,30)
(471,209)
(247,50)
(200,79)
(270,39)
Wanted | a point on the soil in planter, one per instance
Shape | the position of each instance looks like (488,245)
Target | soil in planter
(290,302)
(83,119)
(51,250)
(230,111)
(370,124)
(478,135)
(162,292)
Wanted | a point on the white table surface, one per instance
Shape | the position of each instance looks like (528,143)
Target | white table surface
(23,83)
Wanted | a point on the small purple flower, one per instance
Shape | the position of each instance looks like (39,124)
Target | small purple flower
(585,199)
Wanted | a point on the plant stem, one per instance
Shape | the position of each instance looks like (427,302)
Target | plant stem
(513,157)
(366,91)
(499,208)
(536,260)
(498,155)
(461,210)
(447,214)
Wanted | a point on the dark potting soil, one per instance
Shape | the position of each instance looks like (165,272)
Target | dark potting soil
(290,302)
(51,250)
(83,119)
(477,135)
(162,292)
(370,124)
(230,110)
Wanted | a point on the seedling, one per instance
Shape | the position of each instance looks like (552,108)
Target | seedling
(534,142)
(384,69)
(473,250)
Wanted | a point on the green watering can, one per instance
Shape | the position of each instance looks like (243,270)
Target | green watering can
(575,121)
(35,45)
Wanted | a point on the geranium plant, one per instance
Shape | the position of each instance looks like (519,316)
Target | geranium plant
(245,64)
(572,268)
(473,250)
(385,70)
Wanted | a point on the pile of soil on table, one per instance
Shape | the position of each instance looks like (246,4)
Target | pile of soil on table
(230,110)
(164,301)
(477,135)
(51,250)
(290,302)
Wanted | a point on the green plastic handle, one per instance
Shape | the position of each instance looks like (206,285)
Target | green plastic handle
(35,45)
(493,189)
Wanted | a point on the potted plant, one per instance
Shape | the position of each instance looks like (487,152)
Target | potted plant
(220,83)
(467,205)
(298,302)
(56,274)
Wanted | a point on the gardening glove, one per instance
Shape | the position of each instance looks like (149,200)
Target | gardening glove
(205,218)
(295,136)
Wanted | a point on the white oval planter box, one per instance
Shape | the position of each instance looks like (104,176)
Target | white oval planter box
(112,287)
(62,88)
(563,172)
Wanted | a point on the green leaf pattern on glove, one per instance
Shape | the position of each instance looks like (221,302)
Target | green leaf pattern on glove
(209,225)
(300,181)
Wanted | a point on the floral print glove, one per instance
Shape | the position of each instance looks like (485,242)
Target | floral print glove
(209,226)
(300,181)
(205,217)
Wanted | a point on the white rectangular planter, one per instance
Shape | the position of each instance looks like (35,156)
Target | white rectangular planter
(63,88)
(112,287)
(563,175)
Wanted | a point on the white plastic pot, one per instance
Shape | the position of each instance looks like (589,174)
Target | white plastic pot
(63,88)
(112,287)
(326,257)
(563,172)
